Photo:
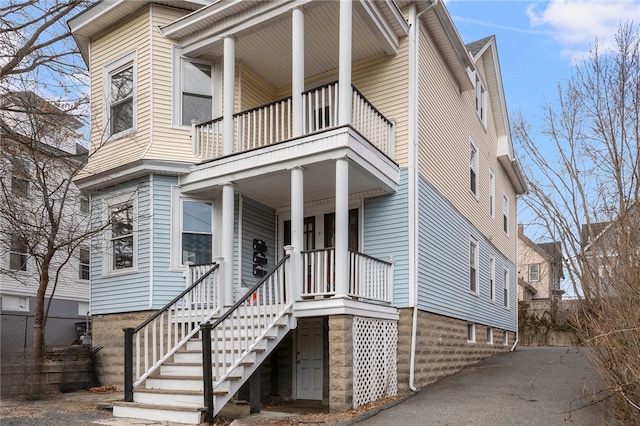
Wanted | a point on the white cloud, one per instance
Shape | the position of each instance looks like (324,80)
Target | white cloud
(575,24)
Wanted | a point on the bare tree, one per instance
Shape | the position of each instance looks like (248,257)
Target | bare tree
(584,187)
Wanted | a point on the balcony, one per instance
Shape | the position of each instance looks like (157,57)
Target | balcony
(272,123)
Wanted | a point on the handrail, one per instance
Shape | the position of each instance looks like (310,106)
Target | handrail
(158,331)
(258,311)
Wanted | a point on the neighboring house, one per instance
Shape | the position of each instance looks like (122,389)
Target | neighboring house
(37,140)
(354,157)
(540,271)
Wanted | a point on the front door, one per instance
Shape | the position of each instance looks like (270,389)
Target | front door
(309,359)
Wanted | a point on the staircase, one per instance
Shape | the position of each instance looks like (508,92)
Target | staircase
(167,349)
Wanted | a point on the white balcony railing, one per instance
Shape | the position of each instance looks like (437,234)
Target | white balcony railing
(369,278)
(272,123)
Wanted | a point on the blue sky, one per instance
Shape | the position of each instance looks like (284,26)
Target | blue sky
(538,41)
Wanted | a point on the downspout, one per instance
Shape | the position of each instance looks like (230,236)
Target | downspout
(413,176)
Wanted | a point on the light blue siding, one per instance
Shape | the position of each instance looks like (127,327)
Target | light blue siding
(443,266)
(258,222)
(167,284)
(386,233)
(128,291)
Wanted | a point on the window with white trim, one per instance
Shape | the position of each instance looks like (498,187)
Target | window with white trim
(492,194)
(84,261)
(492,278)
(196,90)
(20,176)
(18,253)
(471,332)
(473,167)
(122,236)
(473,265)
(15,303)
(119,79)
(505,337)
(506,289)
(197,232)
(481,99)
(489,336)
(534,272)
(505,214)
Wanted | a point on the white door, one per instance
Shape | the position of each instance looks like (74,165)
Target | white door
(309,359)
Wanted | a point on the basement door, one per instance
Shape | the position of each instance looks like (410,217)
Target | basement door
(309,359)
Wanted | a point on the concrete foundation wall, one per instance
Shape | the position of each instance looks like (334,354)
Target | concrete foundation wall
(107,332)
(441,347)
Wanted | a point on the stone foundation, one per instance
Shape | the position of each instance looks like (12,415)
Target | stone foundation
(441,347)
(107,332)
(340,363)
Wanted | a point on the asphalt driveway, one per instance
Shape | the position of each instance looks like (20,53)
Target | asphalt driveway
(530,386)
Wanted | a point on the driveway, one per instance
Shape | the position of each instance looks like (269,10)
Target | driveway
(530,386)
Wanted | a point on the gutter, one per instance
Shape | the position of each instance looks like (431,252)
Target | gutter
(413,176)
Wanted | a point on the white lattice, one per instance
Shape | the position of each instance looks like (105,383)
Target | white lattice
(375,347)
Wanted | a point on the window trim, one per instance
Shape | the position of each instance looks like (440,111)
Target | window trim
(471,332)
(17,252)
(109,70)
(178,86)
(474,168)
(181,229)
(492,278)
(505,213)
(489,335)
(481,100)
(505,293)
(107,262)
(505,338)
(475,273)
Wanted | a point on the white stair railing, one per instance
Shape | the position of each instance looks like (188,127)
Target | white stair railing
(370,278)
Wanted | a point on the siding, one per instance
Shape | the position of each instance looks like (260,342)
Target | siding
(167,283)
(253,90)
(122,292)
(386,233)
(447,119)
(443,266)
(258,222)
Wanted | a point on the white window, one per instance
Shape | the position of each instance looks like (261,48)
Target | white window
(489,335)
(506,289)
(122,241)
(473,265)
(18,253)
(119,79)
(492,194)
(473,167)
(471,333)
(492,278)
(196,90)
(15,303)
(83,309)
(505,214)
(84,205)
(20,176)
(197,235)
(534,272)
(505,338)
(84,261)
(481,100)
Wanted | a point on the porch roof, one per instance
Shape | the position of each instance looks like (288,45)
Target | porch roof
(264,174)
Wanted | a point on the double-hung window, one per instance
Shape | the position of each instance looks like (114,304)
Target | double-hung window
(197,92)
(84,260)
(505,214)
(473,167)
(19,177)
(473,265)
(506,289)
(534,272)
(481,99)
(18,253)
(122,241)
(197,234)
(120,85)
(492,194)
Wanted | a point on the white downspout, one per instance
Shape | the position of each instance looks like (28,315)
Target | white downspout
(413,177)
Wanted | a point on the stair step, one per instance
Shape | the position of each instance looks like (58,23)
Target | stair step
(176,397)
(196,345)
(163,413)
(195,357)
(192,370)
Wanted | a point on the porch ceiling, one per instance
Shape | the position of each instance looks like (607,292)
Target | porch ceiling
(263,37)
(264,175)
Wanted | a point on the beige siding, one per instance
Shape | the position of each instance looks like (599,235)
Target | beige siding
(447,119)
(254,91)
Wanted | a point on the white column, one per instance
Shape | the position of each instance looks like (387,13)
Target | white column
(344,73)
(297,225)
(229,93)
(297,69)
(226,242)
(342,227)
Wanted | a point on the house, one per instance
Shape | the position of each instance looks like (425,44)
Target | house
(37,143)
(540,271)
(332,184)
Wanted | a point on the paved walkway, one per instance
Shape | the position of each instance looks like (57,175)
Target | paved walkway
(530,386)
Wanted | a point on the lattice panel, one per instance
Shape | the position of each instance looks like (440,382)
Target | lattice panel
(375,348)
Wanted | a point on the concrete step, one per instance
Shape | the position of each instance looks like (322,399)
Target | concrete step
(162,413)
